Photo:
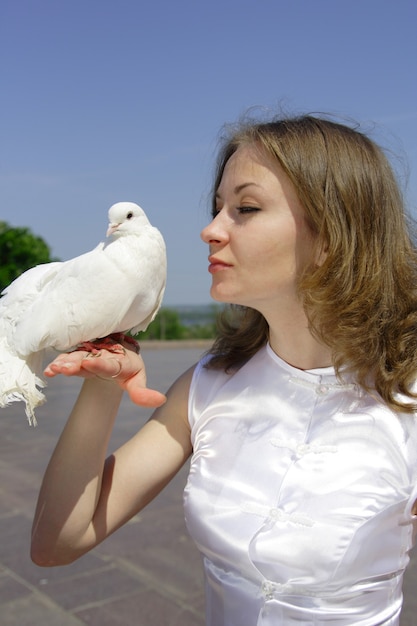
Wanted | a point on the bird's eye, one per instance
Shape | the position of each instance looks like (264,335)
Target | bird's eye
(129,215)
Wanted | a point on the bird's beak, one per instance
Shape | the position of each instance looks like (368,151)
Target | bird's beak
(111,229)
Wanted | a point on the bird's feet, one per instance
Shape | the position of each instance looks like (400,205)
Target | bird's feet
(111,343)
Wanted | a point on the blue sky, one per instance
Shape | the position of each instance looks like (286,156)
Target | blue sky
(103,101)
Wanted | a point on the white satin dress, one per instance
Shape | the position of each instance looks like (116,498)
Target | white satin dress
(299,497)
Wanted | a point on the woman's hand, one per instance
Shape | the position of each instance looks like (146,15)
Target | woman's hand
(120,366)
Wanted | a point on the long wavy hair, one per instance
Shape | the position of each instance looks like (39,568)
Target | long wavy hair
(362,300)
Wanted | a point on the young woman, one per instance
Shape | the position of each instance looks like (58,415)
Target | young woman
(301,421)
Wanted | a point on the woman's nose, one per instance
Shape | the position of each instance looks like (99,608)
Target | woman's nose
(215,231)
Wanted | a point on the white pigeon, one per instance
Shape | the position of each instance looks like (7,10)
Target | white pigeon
(117,287)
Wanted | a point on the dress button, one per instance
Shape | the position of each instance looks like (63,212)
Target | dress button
(322,390)
(268,590)
(301,449)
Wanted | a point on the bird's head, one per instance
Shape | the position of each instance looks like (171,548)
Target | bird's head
(125,218)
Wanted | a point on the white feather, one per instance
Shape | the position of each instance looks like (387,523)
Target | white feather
(116,287)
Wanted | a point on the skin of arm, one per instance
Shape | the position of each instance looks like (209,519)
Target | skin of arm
(85,497)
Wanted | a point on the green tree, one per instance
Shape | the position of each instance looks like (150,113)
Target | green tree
(166,325)
(200,331)
(20,250)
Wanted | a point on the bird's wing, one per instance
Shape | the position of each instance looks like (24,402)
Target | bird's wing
(145,323)
(67,307)
(20,295)
(29,283)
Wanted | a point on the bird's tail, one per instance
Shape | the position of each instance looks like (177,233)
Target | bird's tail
(20,379)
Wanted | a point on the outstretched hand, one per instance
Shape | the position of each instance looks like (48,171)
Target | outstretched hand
(122,367)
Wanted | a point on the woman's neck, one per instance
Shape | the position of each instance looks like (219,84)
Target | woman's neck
(293,342)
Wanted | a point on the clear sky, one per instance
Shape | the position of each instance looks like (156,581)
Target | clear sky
(103,101)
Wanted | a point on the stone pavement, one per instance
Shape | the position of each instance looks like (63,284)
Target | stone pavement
(148,573)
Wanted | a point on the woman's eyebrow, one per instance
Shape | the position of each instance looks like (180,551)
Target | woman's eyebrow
(239,188)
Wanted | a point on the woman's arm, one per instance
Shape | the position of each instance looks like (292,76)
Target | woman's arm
(85,497)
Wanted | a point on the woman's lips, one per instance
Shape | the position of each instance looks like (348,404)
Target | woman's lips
(216,265)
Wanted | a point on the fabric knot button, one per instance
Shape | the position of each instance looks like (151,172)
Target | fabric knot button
(322,390)
(269,589)
(302,448)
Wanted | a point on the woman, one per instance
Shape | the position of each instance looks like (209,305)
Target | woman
(300,421)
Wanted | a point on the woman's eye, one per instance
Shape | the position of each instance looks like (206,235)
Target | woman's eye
(242,210)
(247,209)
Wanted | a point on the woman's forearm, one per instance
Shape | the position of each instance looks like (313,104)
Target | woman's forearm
(63,525)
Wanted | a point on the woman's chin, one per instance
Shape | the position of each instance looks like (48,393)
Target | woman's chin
(225,297)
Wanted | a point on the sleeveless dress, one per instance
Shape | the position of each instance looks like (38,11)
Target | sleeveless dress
(299,497)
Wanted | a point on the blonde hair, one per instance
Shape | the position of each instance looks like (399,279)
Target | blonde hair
(362,300)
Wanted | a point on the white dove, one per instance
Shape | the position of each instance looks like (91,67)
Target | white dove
(116,287)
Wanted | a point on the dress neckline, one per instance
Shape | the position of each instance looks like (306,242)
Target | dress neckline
(295,371)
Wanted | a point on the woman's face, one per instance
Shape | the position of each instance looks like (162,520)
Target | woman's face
(259,241)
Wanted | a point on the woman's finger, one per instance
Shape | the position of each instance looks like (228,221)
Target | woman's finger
(68,365)
(142,395)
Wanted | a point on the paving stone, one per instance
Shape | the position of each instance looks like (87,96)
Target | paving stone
(11,589)
(147,608)
(97,587)
(33,611)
